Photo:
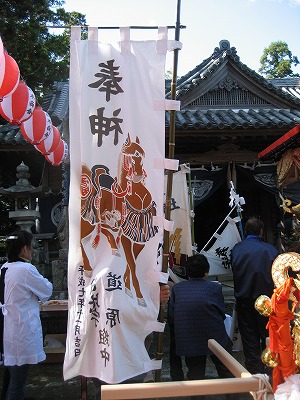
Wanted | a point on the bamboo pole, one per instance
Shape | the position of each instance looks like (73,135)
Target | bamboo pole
(230,362)
(282,226)
(191,199)
(166,242)
(179,389)
(219,227)
(242,383)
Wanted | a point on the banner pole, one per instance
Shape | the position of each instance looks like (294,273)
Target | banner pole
(191,198)
(236,202)
(166,240)
(282,227)
(219,227)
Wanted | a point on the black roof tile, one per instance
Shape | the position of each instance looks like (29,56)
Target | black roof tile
(11,135)
(232,119)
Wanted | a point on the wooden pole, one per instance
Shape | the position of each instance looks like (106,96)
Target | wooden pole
(282,226)
(184,389)
(219,227)
(191,199)
(242,383)
(166,243)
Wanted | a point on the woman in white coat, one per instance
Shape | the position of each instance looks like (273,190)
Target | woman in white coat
(24,286)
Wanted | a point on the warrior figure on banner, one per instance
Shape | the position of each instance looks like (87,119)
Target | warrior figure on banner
(121,205)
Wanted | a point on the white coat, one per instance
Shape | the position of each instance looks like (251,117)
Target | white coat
(23,336)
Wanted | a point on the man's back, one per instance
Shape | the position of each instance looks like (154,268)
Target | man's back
(252,261)
(199,313)
(251,266)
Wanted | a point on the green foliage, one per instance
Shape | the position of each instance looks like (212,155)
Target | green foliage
(42,56)
(277,61)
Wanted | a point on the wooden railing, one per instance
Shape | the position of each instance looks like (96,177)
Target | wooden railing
(242,383)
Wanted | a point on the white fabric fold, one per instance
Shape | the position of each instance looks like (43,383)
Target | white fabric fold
(152,364)
(233,220)
(166,105)
(168,225)
(164,277)
(3,309)
(125,39)
(174,45)
(155,326)
(92,33)
(162,41)
(166,163)
(162,222)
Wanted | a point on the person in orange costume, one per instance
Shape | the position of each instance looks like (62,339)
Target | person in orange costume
(281,342)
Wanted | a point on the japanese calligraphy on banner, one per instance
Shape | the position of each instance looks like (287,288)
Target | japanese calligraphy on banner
(117,131)
(219,254)
(180,237)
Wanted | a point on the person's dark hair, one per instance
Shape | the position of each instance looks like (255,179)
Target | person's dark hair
(254,226)
(197,266)
(14,243)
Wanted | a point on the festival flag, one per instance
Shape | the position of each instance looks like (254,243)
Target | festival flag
(180,237)
(219,253)
(117,134)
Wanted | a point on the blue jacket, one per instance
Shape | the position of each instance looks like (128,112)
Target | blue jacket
(197,310)
(252,261)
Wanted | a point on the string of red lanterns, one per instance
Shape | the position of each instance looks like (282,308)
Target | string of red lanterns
(38,127)
(18,106)
(9,75)
(50,144)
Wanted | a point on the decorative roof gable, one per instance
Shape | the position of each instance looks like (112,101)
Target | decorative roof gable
(222,81)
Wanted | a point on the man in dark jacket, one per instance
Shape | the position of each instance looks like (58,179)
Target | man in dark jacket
(198,311)
(251,266)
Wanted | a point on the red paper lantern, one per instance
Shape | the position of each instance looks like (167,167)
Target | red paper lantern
(50,144)
(58,155)
(19,106)
(9,76)
(1,51)
(38,127)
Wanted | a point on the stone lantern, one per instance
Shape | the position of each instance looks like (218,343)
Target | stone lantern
(25,213)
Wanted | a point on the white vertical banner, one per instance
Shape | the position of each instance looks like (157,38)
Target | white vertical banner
(219,254)
(180,237)
(117,131)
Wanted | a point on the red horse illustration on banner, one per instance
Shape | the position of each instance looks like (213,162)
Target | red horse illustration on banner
(123,205)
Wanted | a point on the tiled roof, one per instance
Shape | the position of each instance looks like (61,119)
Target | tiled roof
(11,135)
(222,53)
(56,103)
(288,85)
(232,119)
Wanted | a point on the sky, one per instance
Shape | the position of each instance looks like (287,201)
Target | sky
(249,25)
